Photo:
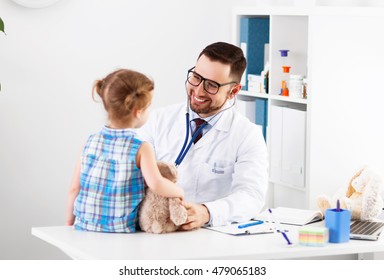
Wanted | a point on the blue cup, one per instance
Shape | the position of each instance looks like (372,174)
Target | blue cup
(338,221)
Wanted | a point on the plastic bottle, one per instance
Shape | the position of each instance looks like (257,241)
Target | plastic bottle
(296,86)
(265,77)
(284,82)
(284,91)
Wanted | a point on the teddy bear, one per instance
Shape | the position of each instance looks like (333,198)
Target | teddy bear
(158,214)
(362,196)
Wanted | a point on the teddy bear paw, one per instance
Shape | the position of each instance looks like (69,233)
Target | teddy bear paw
(179,217)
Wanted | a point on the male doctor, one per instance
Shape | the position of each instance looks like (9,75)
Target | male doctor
(224,173)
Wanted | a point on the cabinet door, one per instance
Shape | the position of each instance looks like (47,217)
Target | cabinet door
(293,147)
(287,146)
(275,142)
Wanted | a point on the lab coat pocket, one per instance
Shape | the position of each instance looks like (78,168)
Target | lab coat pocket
(216,177)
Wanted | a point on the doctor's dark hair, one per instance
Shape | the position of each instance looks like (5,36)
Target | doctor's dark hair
(122,91)
(227,54)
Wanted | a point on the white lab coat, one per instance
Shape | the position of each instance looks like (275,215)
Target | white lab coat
(226,170)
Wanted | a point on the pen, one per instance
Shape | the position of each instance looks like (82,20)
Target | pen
(279,229)
(338,206)
(277,223)
(250,224)
(286,237)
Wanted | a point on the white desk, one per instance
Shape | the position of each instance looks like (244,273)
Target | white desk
(198,244)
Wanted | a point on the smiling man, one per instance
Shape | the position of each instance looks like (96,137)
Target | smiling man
(221,156)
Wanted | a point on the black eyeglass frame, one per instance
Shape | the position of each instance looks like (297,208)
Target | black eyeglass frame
(203,80)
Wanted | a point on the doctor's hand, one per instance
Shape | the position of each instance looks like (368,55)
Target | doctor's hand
(198,215)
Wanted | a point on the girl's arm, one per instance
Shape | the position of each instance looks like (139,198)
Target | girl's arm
(146,161)
(72,194)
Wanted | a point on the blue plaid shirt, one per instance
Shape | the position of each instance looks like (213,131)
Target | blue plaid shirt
(111,184)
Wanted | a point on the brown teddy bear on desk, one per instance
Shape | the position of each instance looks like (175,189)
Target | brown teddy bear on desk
(362,197)
(158,214)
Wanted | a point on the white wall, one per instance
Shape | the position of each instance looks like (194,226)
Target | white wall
(48,62)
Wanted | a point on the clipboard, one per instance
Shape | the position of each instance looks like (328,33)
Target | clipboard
(233,229)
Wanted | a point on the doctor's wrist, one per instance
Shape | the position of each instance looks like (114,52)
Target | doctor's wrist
(207,216)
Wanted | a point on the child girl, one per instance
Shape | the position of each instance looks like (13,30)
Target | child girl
(108,182)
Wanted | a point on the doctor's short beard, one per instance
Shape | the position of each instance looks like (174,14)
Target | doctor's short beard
(209,111)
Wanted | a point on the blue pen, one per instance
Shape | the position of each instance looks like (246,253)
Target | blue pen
(338,206)
(286,237)
(277,222)
(250,224)
(278,229)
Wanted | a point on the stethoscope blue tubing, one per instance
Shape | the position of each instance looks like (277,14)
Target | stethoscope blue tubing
(184,150)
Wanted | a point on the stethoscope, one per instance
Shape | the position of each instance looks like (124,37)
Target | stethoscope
(187,145)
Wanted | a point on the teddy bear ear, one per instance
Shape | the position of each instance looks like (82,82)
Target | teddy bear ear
(352,183)
(323,202)
(174,173)
(358,173)
(168,170)
(351,190)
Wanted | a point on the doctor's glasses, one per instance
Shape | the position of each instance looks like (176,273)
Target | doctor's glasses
(209,86)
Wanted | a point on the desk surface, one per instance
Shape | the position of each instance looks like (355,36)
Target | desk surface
(198,244)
